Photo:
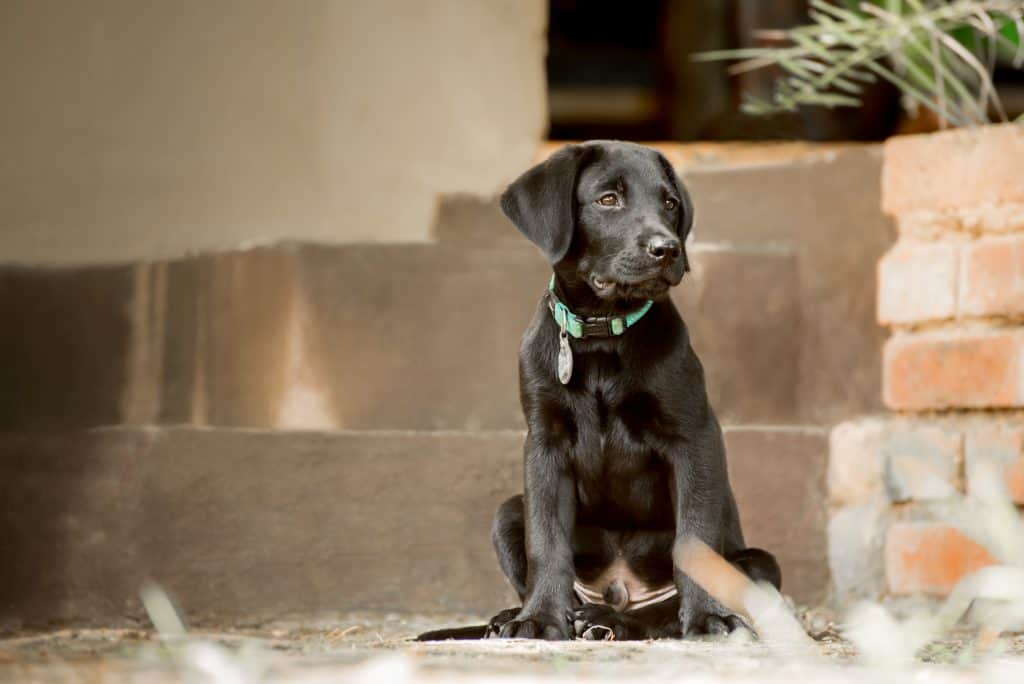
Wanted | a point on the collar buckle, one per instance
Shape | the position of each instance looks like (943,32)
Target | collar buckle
(597,327)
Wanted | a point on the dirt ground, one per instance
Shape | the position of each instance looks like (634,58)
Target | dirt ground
(377,649)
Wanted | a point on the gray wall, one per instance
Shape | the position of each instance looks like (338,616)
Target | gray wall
(143,128)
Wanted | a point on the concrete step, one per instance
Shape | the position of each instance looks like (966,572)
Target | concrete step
(354,337)
(780,306)
(828,209)
(246,525)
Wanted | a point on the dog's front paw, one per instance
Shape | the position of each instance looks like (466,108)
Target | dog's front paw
(536,626)
(709,617)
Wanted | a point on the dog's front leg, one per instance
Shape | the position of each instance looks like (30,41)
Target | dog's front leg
(550,503)
(697,483)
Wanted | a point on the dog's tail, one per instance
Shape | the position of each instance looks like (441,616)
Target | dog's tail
(455,633)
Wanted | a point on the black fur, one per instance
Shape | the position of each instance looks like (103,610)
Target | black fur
(628,457)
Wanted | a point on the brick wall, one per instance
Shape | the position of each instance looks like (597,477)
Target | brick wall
(951,291)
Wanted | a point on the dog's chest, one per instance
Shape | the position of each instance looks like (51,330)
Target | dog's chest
(620,475)
(623,491)
(614,414)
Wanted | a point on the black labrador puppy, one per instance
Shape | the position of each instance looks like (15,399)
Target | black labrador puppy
(623,455)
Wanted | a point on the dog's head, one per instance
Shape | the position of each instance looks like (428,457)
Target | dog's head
(612,214)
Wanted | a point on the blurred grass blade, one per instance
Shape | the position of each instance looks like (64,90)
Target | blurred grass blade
(161,611)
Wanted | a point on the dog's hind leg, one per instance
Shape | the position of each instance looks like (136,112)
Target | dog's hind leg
(758,565)
(508,533)
(509,536)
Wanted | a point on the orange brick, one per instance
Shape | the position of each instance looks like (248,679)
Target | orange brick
(963,168)
(917,283)
(930,557)
(992,280)
(1015,480)
(922,462)
(1003,446)
(950,369)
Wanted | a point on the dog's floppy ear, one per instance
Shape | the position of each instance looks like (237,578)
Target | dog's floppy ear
(684,222)
(541,202)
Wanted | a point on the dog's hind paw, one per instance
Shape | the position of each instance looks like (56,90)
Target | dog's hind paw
(500,620)
(597,622)
(598,633)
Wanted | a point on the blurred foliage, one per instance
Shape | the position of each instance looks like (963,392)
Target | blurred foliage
(940,55)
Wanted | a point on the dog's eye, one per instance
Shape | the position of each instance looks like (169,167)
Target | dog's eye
(609,200)
(671,203)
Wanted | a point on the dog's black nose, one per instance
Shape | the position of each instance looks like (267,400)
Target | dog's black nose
(664,248)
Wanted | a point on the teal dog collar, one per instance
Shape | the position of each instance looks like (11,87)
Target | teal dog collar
(596,326)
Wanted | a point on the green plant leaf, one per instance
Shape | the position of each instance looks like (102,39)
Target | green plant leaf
(938,53)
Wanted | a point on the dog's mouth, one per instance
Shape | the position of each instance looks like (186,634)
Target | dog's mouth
(648,288)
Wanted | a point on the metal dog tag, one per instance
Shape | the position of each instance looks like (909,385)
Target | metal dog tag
(564,358)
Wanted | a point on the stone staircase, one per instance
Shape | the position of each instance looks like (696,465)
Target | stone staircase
(297,429)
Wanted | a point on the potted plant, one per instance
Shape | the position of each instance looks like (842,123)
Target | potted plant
(951,288)
(939,54)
